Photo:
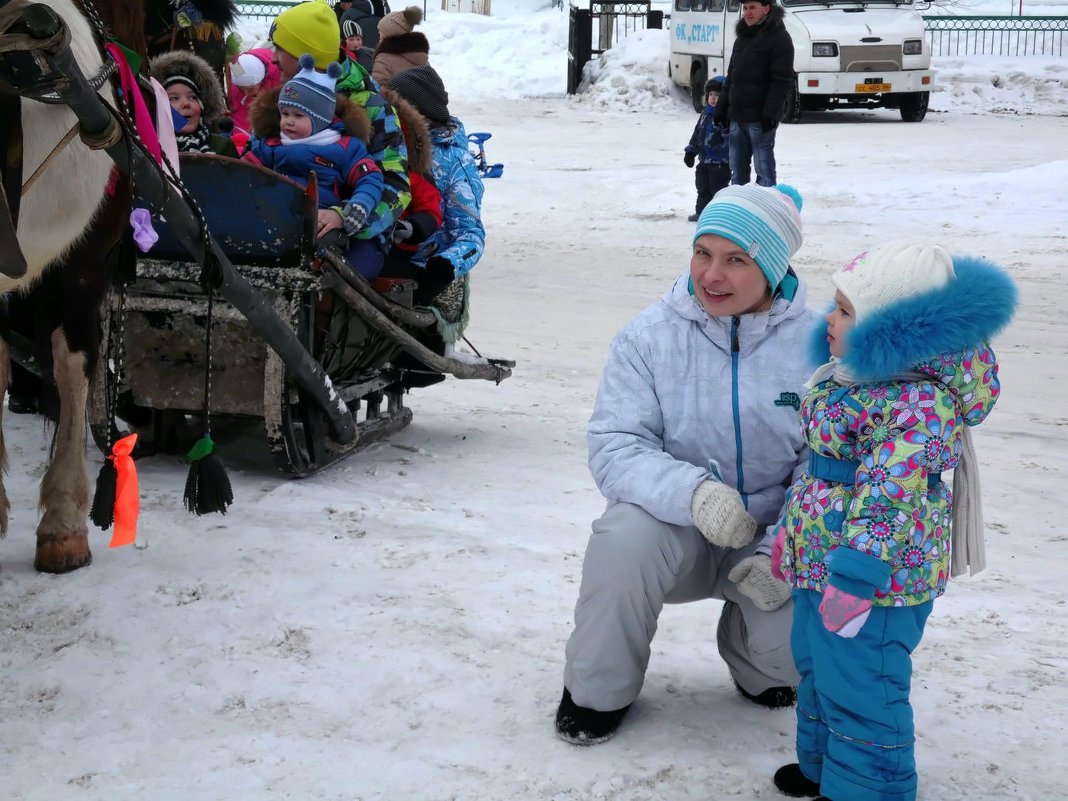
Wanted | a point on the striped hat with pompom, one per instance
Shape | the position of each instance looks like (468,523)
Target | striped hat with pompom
(312,92)
(764,221)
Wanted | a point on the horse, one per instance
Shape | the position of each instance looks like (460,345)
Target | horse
(72,227)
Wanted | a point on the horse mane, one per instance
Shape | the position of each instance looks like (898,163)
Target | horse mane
(125,20)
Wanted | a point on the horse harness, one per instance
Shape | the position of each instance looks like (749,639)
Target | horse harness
(17,56)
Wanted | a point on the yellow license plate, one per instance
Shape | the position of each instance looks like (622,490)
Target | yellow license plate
(873,87)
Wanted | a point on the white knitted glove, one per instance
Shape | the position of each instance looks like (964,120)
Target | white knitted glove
(719,514)
(754,580)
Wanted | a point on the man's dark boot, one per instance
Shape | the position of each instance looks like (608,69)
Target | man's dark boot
(581,726)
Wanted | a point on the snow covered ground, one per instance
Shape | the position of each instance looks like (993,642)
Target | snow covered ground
(394,628)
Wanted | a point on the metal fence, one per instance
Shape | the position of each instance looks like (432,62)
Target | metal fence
(948,36)
(261,10)
(997,36)
(614,20)
(603,24)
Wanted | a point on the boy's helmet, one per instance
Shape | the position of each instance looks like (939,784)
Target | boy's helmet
(714,84)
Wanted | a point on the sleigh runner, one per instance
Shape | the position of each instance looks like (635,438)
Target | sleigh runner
(265,225)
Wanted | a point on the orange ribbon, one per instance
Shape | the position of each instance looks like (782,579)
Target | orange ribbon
(127,501)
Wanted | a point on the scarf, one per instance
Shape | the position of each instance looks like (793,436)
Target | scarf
(833,369)
(327,136)
(196,141)
(967,544)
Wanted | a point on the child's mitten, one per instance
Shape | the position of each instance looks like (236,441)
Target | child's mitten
(842,612)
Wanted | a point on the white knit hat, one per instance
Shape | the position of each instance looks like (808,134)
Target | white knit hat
(892,272)
(247,71)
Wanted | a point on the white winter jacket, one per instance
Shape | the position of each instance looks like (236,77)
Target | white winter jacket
(682,389)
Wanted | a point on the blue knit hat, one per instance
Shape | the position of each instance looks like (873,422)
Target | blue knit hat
(763,221)
(312,92)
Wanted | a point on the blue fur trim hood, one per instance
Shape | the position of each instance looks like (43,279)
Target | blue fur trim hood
(965,313)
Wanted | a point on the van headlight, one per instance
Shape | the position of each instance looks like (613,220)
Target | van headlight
(825,49)
(912,47)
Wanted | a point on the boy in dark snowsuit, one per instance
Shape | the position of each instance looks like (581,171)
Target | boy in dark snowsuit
(708,146)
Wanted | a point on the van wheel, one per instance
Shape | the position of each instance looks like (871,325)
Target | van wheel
(914,106)
(698,79)
(791,110)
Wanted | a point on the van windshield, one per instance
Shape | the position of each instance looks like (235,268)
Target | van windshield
(847,3)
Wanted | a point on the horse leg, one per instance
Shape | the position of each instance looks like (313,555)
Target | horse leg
(63,536)
(5,377)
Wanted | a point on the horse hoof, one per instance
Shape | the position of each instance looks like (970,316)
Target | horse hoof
(62,553)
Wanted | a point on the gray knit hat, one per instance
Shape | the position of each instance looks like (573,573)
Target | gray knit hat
(424,89)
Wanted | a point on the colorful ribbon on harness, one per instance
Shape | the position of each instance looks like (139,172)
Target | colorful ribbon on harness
(130,90)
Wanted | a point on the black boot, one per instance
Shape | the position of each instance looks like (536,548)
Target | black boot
(581,726)
(789,780)
(772,698)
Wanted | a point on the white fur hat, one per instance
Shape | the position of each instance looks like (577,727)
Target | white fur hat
(892,272)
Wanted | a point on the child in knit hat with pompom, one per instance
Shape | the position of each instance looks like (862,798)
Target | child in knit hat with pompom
(399,46)
(304,127)
(870,533)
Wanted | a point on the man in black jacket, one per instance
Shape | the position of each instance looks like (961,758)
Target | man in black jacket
(759,78)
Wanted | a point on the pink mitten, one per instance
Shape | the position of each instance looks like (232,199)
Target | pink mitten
(776,554)
(842,612)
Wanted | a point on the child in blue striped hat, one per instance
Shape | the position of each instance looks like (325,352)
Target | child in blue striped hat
(304,127)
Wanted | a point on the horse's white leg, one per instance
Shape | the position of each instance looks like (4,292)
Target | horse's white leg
(5,379)
(63,536)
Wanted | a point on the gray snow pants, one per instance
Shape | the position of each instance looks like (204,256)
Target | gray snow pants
(635,564)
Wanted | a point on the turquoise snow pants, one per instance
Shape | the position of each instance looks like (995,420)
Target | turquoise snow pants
(855,733)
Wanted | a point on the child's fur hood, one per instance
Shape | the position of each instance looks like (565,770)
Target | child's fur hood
(965,313)
(416,133)
(266,119)
(413,42)
(196,69)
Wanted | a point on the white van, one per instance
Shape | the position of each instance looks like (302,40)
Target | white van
(847,53)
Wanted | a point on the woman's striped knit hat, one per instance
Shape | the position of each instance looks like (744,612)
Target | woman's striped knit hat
(764,221)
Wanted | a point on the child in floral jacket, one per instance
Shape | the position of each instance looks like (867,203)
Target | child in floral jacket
(865,536)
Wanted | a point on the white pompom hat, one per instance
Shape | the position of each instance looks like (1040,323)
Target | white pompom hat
(247,71)
(893,272)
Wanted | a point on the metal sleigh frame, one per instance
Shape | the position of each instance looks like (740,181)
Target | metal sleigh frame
(266,320)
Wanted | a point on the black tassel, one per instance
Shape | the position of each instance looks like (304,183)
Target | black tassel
(103,512)
(207,488)
(211,271)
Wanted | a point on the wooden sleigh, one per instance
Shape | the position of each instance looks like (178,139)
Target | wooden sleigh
(153,362)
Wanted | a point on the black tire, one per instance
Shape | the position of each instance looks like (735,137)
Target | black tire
(791,109)
(914,106)
(698,79)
